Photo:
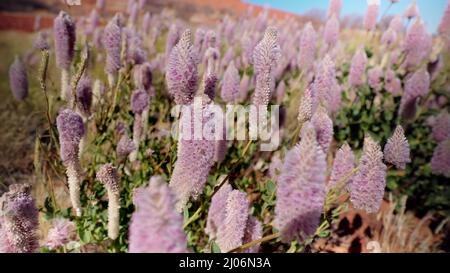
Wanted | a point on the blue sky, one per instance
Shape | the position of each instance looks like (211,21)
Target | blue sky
(430,10)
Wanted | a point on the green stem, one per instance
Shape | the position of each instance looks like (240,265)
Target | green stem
(262,240)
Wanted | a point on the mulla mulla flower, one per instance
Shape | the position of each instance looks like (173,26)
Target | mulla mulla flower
(19,221)
(181,72)
(440,162)
(324,128)
(64,34)
(358,68)
(417,44)
(307,106)
(40,42)
(265,57)
(84,97)
(308,42)
(144,78)
(71,131)
(125,146)
(441,128)
(370,20)
(301,188)
(374,76)
(156,227)
(230,84)
(368,184)
(18,79)
(334,9)
(139,104)
(343,165)
(60,234)
(229,222)
(107,174)
(173,37)
(444,26)
(112,41)
(195,155)
(412,11)
(392,83)
(325,83)
(396,150)
(210,79)
(417,85)
(331,31)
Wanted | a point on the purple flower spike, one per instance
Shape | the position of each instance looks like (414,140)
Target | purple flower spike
(334,8)
(412,11)
(155,225)
(370,20)
(139,101)
(397,150)
(301,188)
(181,74)
(253,231)
(307,52)
(441,129)
(374,78)
(71,130)
(265,58)
(358,68)
(18,79)
(367,188)
(418,43)
(343,165)
(331,31)
(392,83)
(444,26)
(144,77)
(417,85)
(40,42)
(112,41)
(440,162)
(60,234)
(216,213)
(195,156)
(173,37)
(232,230)
(325,83)
(230,84)
(324,128)
(125,147)
(64,31)
(19,221)
(107,174)
(84,96)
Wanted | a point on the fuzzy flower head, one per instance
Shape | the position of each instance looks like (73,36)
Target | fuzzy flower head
(325,82)
(397,150)
(40,42)
(173,37)
(324,128)
(367,188)
(155,225)
(331,31)
(19,221)
(301,188)
(334,9)
(232,230)
(417,85)
(112,41)
(71,130)
(441,128)
(210,77)
(265,58)
(125,146)
(195,155)
(60,234)
(392,83)
(412,10)
(444,26)
(374,78)
(440,162)
(358,68)
(84,96)
(216,212)
(230,84)
(64,32)
(370,20)
(343,164)
(18,79)
(107,174)
(144,76)
(182,75)
(306,108)
(139,101)
(418,43)
(307,51)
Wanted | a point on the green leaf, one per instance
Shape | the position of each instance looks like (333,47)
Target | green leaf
(215,248)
